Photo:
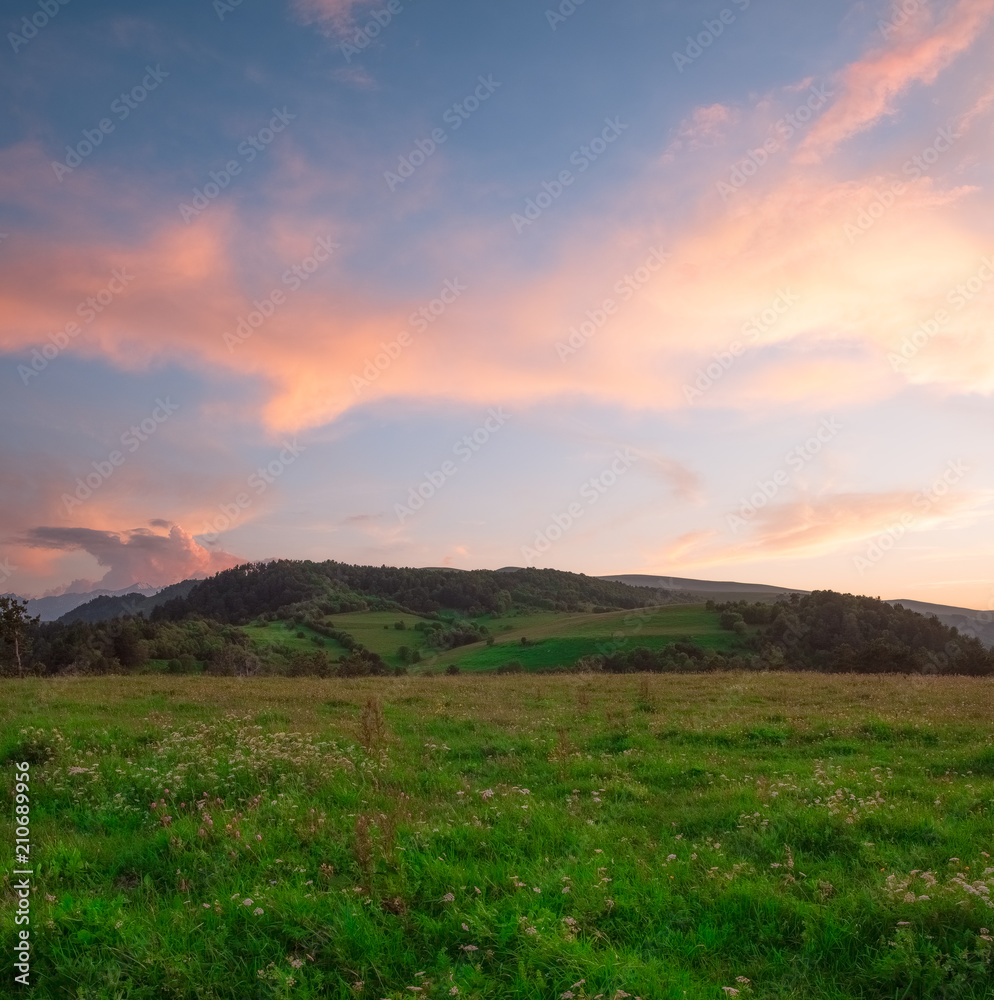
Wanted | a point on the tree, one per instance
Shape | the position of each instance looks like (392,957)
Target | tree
(129,648)
(233,661)
(14,624)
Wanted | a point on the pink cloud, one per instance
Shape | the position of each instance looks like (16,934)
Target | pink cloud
(858,297)
(727,264)
(135,556)
(872,85)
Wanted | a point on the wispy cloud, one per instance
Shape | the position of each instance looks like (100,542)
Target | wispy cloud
(872,85)
(818,525)
(706,126)
(336,15)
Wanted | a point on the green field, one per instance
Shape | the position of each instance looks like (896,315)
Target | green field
(655,836)
(298,638)
(558,640)
(375,630)
(553,640)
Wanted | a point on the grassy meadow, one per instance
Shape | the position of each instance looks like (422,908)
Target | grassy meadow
(538,640)
(554,639)
(661,836)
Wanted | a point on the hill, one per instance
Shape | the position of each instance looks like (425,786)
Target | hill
(716,590)
(698,586)
(293,618)
(109,606)
(241,594)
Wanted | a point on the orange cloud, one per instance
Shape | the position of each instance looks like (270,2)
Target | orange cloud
(915,55)
(864,269)
(815,526)
(329,347)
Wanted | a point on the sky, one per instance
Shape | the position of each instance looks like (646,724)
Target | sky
(693,289)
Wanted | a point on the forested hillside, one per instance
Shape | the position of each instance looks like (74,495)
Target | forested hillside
(295,618)
(240,594)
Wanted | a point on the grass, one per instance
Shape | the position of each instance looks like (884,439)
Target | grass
(375,630)
(556,640)
(665,836)
(298,638)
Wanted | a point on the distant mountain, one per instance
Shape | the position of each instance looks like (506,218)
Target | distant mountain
(701,586)
(104,607)
(968,621)
(50,609)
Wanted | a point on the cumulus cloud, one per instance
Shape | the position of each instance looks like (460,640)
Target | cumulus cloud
(138,555)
